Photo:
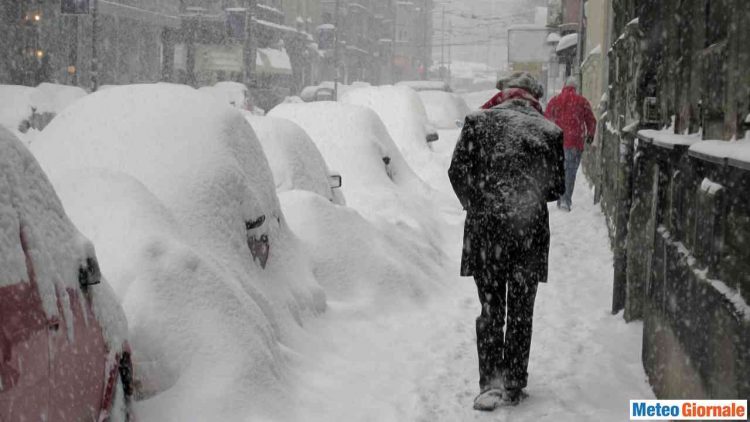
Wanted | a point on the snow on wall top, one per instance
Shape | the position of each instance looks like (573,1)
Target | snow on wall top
(668,138)
(735,151)
(295,161)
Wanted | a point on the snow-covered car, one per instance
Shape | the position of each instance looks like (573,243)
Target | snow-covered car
(63,349)
(445,110)
(235,94)
(316,93)
(295,161)
(426,85)
(476,99)
(184,211)
(402,112)
(325,90)
(379,182)
(389,215)
(26,108)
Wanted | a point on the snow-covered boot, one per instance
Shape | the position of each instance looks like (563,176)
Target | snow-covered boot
(488,400)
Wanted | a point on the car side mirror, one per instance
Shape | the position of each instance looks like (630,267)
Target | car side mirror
(89,274)
(254,224)
(334,181)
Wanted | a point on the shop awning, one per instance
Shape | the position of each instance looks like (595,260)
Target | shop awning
(566,42)
(273,61)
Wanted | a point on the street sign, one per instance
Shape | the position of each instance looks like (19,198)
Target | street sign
(74,7)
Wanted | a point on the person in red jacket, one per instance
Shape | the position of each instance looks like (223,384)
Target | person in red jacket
(572,113)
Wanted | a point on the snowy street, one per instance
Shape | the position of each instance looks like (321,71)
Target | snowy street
(374,210)
(420,363)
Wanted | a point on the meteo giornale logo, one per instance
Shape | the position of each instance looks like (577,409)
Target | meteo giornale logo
(716,410)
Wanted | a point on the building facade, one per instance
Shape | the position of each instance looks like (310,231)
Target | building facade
(673,183)
(112,42)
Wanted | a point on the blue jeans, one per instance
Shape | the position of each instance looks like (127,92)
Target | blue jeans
(572,161)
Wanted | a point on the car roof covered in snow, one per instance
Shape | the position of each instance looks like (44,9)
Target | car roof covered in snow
(444,109)
(295,161)
(400,109)
(426,85)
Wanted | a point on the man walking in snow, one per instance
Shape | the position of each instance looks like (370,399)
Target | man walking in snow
(572,113)
(508,163)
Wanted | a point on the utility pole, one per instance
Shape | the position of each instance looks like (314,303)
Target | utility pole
(394,30)
(579,53)
(336,52)
(442,46)
(250,47)
(94,37)
(489,34)
(450,51)
(426,15)
(73,55)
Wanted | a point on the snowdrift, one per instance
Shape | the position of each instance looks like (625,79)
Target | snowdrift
(363,266)
(176,203)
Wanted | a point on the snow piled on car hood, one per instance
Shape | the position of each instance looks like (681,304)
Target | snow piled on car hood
(28,203)
(168,200)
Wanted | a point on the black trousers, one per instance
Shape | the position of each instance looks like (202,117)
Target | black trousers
(504,354)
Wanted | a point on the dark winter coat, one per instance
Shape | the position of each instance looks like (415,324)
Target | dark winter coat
(508,163)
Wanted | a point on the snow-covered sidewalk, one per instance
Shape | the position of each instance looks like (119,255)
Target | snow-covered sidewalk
(420,364)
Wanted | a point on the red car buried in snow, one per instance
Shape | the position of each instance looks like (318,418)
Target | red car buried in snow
(63,354)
